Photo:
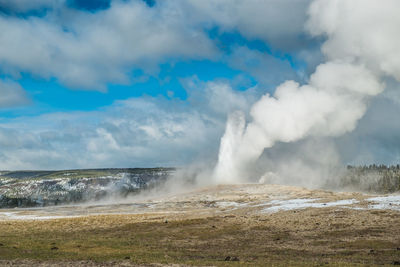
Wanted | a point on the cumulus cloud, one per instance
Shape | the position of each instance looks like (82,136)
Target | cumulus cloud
(12,94)
(90,50)
(279,23)
(138,132)
(218,98)
(87,50)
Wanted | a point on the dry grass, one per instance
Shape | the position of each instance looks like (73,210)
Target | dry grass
(311,237)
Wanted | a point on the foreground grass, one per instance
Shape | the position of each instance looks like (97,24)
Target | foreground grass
(307,238)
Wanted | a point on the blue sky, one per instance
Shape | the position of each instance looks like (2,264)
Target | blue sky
(130,83)
(49,95)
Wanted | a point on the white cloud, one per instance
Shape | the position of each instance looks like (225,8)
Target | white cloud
(134,132)
(12,94)
(89,50)
(218,97)
(86,50)
(279,23)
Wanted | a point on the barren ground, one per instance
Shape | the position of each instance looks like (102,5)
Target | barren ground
(216,226)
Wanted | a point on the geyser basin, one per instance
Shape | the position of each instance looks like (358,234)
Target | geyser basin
(250,199)
(257,225)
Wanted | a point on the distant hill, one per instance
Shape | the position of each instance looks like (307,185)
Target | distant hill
(42,188)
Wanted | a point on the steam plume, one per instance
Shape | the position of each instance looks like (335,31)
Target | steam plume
(361,48)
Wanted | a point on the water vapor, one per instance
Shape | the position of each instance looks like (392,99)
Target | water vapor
(361,50)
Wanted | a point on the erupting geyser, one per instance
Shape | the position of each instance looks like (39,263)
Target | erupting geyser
(361,50)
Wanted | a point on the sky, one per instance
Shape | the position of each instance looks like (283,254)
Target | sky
(134,83)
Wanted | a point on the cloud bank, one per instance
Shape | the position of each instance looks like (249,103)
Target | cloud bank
(142,132)
(90,50)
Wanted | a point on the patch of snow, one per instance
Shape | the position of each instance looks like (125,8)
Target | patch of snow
(228,204)
(357,208)
(303,203)
(385,203)
(16,216)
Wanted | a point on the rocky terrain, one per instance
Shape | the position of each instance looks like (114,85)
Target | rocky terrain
(43,188)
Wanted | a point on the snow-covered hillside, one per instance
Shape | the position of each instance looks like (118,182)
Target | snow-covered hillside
(27,189)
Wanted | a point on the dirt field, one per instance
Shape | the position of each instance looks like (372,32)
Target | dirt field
(253,225)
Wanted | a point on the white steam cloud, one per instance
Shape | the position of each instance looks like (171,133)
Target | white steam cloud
(362,49)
